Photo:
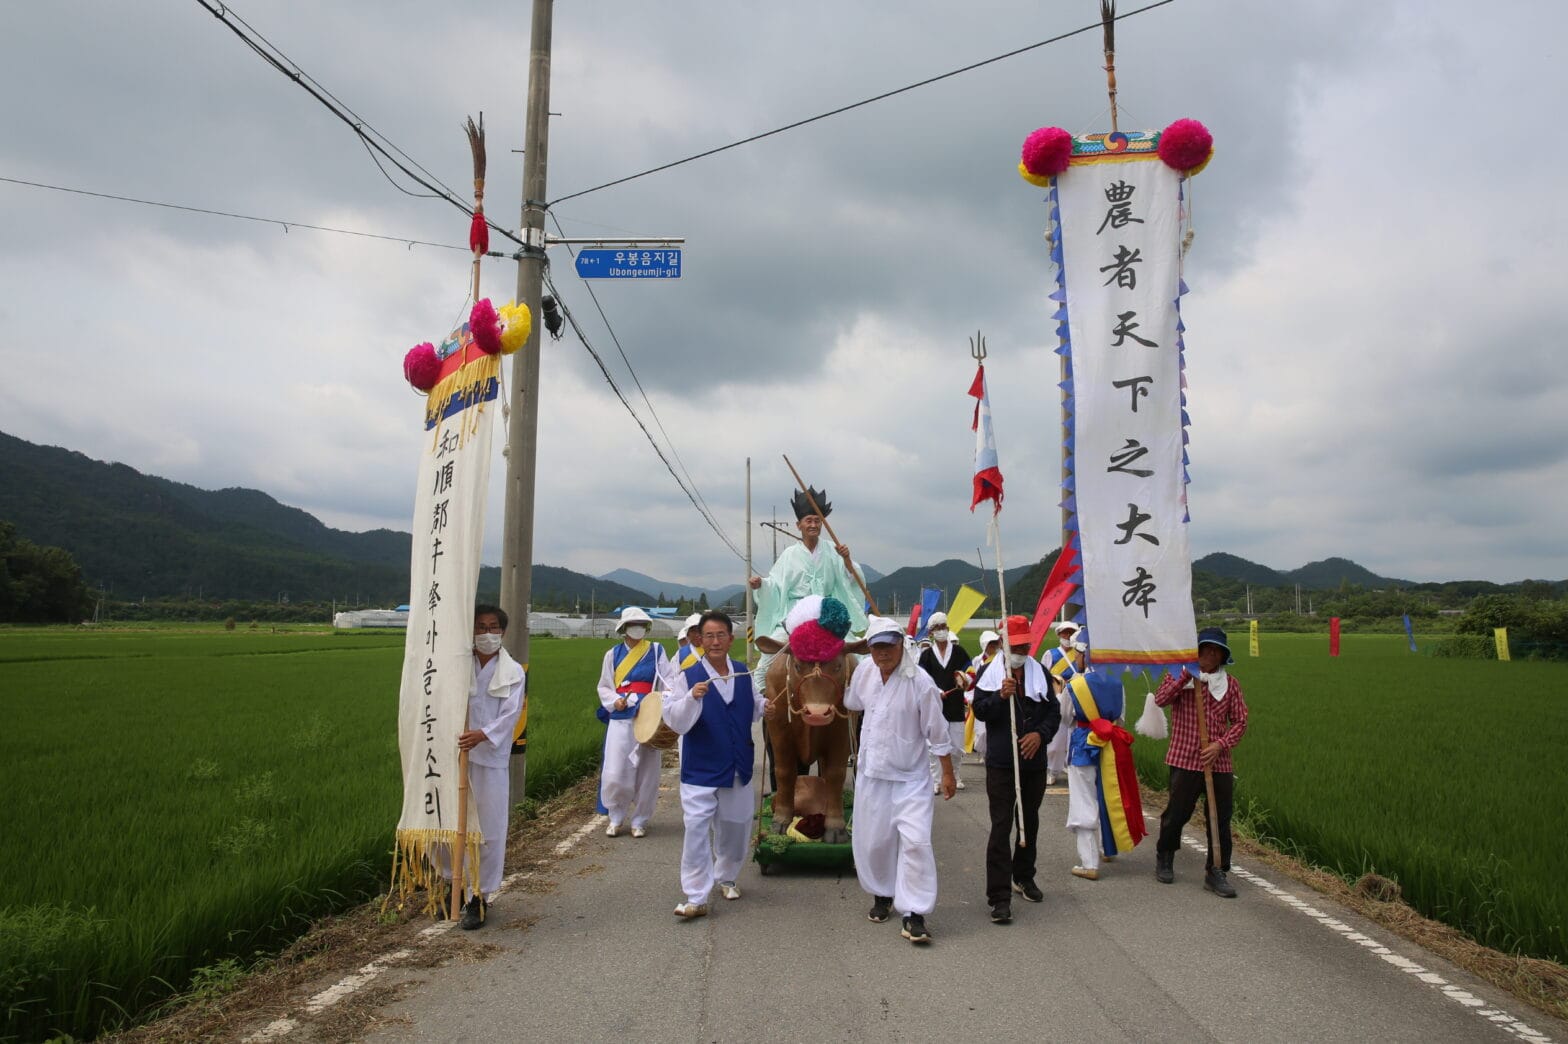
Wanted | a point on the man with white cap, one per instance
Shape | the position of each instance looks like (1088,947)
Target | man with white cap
(945,661)
(902,719)
(629,773)
(1071,651)
(688,648)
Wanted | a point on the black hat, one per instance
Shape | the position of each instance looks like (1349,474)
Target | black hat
(802,504)
(1215,636)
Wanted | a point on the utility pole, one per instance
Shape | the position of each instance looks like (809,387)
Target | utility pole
(517,544)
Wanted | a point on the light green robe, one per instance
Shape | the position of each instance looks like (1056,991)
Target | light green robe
(798,573)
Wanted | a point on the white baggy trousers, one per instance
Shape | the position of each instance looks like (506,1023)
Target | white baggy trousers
(629,777)
(718,825)
(891,840)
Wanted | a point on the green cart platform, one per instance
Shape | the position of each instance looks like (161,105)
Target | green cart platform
(779,850)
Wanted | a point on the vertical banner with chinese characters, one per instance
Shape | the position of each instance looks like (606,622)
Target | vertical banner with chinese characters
(1117,228)
(438,662)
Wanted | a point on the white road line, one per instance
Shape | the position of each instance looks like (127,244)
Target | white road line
(1457,994)
(349,984)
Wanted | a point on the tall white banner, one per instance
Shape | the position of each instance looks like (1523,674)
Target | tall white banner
(438,661)
(1117,223)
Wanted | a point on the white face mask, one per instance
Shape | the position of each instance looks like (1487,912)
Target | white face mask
(487,644)
(939,634)
(1016,660)
(1066,641)
(636,631)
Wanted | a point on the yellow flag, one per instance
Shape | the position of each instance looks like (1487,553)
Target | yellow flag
(1500,634)
(965,603)
(1252,643)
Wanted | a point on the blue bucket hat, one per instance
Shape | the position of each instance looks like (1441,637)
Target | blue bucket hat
(1215,636)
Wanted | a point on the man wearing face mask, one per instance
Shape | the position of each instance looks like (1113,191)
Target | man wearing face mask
(1225,715)
(629,773)
(1014,685)
(945,661)
(495,699)
(990,649)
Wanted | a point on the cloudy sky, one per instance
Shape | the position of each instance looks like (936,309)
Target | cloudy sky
(1373,349)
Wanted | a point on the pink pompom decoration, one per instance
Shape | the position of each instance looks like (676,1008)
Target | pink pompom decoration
(1047,151)
(813,643)
(1186,145)
(485,325)
(422,366)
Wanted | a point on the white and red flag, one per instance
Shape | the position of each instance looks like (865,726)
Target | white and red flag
(988,475)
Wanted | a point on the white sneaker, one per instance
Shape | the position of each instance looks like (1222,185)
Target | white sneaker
(687,911)
(936,788)
(729,890)
(639,831)
(1050,779)
(960,784)
(613,830)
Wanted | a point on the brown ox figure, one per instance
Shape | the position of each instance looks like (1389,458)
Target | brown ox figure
(808,725)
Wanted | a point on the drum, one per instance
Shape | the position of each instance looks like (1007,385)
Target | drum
(649,728)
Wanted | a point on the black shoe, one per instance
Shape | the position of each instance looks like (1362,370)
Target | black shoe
(1164,868)
(915,929)
(1029,890)
(1001,912)
(473,914)
(1214,881)
(881,910)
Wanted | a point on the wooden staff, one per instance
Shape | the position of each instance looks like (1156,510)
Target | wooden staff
(833,536)
(1200,692)
(1012,715)
(1108,23)
(749,635)
(460,846)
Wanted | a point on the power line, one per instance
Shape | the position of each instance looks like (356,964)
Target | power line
(631,370)
(289,68)
(856,105)
(577,328)
(286,225)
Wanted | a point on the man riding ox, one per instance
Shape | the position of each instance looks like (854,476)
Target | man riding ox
(807,722)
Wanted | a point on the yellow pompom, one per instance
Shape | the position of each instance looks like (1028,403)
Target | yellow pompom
(515,326)
(1042,180)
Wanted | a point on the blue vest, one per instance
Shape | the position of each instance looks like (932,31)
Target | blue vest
(643,675)
(719,747)
(1108,699)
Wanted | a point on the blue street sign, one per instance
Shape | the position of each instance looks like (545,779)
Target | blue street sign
(626,263)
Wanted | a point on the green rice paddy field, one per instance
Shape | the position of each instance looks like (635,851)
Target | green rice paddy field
(174,800)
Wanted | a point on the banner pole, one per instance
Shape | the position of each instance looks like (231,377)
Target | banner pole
(1012,716)
(1199,692)
(749,663)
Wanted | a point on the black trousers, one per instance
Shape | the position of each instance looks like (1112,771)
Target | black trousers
(1185,790)
(1006,862)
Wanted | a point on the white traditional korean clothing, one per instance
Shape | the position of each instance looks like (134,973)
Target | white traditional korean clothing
(797,573)
(629,773)
(891,833)
(495,699)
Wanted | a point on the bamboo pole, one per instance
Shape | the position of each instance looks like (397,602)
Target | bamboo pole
(833,536)
(749,602)
(1200,694)
(460,845)
(1108,24)
(1012,707)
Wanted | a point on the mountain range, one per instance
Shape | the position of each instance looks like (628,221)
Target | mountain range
(141,536)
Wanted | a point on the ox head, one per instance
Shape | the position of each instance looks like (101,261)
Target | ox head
(813,692)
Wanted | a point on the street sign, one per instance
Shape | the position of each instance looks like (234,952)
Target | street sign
(629,264)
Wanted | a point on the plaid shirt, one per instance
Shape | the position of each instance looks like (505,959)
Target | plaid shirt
(1226,720)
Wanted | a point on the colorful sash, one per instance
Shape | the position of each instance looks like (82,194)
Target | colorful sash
(1121,806)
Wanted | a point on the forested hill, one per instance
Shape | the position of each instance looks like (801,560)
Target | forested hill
(139,536)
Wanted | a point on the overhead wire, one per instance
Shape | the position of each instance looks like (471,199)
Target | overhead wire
(285,224)
(860,104)
(274,57)
(616,388)
(632,370)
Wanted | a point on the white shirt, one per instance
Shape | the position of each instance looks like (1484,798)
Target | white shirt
(903,722)
(681,709)
(495,699)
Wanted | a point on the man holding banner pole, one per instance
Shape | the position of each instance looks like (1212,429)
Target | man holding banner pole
(1015,688)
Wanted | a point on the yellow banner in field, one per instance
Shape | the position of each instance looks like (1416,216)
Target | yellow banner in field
(965,603)
(1252,639)
(1500,635)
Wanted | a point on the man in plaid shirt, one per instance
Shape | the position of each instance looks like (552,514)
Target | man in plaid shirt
(1225,715)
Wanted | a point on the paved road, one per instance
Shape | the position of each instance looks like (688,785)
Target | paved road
(1120,959)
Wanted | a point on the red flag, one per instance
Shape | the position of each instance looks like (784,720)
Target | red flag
(1053,595)
(1333,636)
(988,475)
(914,619)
